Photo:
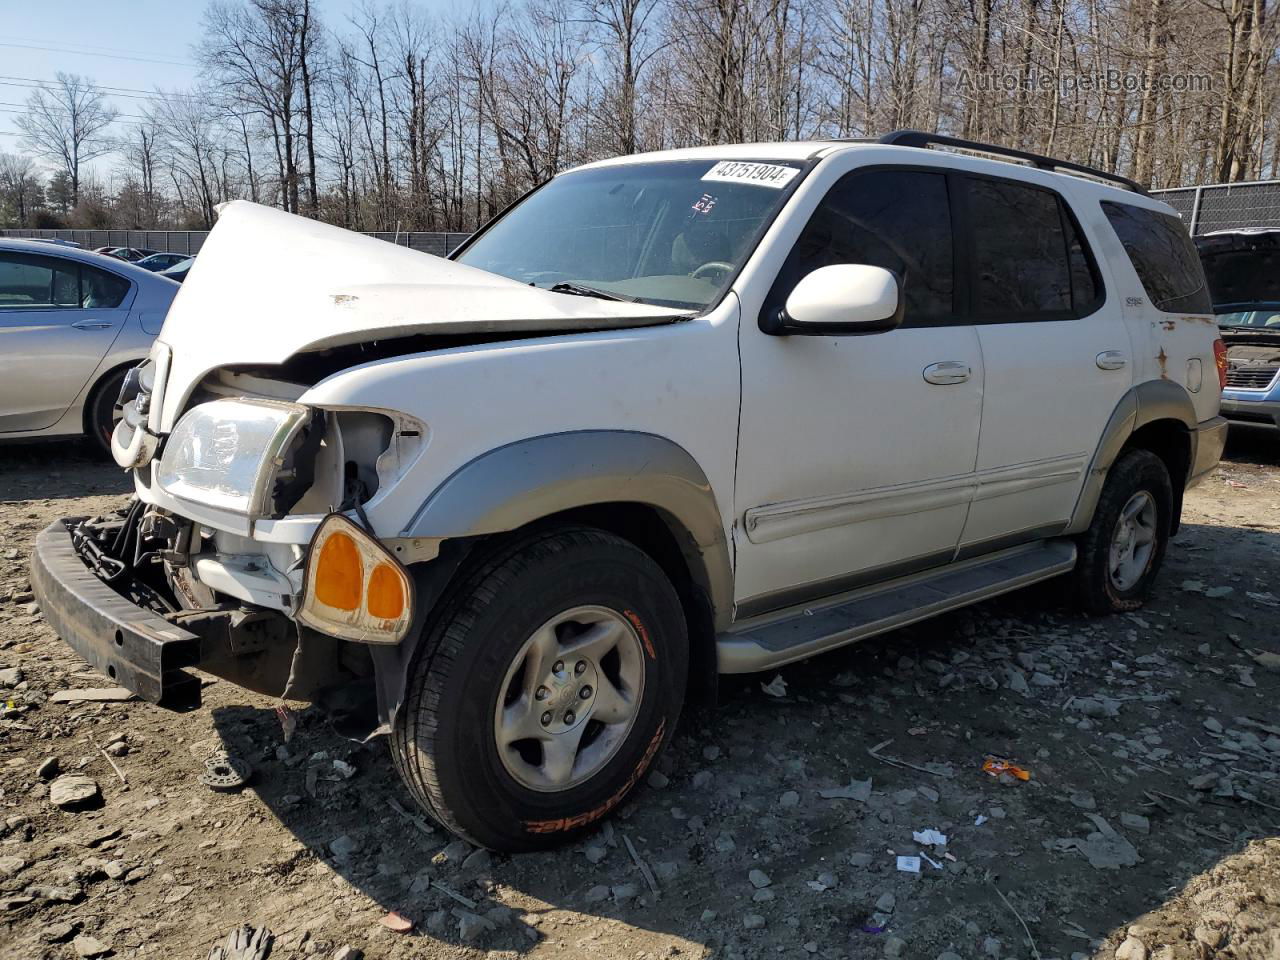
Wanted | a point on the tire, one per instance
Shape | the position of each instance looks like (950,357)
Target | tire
(503,626)
(100,418)
(1138,481)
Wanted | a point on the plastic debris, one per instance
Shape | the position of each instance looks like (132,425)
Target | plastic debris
(933,863)
(397,923)
(930,837)
(226,772)
(997,766)
(981,819)
(909,864)
(777,687)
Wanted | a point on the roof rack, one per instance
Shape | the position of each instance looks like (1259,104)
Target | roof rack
(917,138)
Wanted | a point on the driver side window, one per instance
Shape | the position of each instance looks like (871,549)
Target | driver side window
(896,219)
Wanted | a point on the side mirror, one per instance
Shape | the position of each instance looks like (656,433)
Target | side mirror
(847,298)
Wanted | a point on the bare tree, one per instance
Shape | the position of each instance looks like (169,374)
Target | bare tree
(255,54)
(66,123)
(193,147)
(626,31)
(398,118)
(19,186)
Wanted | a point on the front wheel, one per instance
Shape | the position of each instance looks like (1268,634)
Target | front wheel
(1121,552)
(544,691)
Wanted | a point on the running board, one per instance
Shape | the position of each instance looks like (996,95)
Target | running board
(771,641)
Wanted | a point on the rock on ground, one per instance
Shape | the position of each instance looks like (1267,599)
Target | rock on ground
(73,790)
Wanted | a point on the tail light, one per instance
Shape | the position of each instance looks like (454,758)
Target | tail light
(1220,360)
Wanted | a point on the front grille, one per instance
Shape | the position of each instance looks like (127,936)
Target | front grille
(1252,378)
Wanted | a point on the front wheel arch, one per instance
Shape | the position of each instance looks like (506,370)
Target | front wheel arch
(438,746)
(655,533)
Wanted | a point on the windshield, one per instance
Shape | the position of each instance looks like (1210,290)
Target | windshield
(670,233)
(1268,316)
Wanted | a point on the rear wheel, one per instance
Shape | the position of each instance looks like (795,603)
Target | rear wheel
(101,413)
(544,691)
(1121,552)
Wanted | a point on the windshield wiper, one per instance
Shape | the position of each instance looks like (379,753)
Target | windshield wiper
(580,290)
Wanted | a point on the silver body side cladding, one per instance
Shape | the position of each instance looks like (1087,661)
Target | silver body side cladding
(526,481)
(1145,403)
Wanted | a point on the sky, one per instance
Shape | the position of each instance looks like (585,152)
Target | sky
(131,48)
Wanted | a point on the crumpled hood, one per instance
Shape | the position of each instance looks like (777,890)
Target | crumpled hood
(267,285)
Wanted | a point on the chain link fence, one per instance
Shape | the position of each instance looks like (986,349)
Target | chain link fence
(1225,206)
(189,241)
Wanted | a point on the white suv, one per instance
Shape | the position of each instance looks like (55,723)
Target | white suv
(670,415)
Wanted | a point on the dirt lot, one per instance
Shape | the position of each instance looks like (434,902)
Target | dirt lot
(1150,826)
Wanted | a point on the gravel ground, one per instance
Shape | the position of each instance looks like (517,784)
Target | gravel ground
(1149,827)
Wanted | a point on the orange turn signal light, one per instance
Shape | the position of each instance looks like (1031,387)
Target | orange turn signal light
(353,587)
(339,573)
(385,598)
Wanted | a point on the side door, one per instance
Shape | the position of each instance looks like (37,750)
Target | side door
(1057,354)
(58,318)
(856,452)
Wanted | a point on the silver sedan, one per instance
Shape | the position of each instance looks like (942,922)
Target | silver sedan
(72,323)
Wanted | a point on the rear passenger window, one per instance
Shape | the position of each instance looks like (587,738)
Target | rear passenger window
(1029,261)
(896,219)
(101,290)
(1163,255)
(33,282)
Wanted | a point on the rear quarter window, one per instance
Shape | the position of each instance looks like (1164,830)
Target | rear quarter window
(1163,256)
(101,290)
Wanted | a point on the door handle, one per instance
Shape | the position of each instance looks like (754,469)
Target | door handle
(1111,360)
(947,371)
(91,324)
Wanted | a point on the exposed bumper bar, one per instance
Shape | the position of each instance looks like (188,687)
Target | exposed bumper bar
(138,649)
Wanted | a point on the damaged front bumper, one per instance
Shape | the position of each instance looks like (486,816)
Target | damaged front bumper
(100,585)
(138,649)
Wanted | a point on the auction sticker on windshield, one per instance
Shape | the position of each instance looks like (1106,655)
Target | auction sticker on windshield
(762,174)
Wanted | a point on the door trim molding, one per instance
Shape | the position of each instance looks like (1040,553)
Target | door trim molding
(790,518)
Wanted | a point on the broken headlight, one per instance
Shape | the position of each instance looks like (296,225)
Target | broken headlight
(225,453)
